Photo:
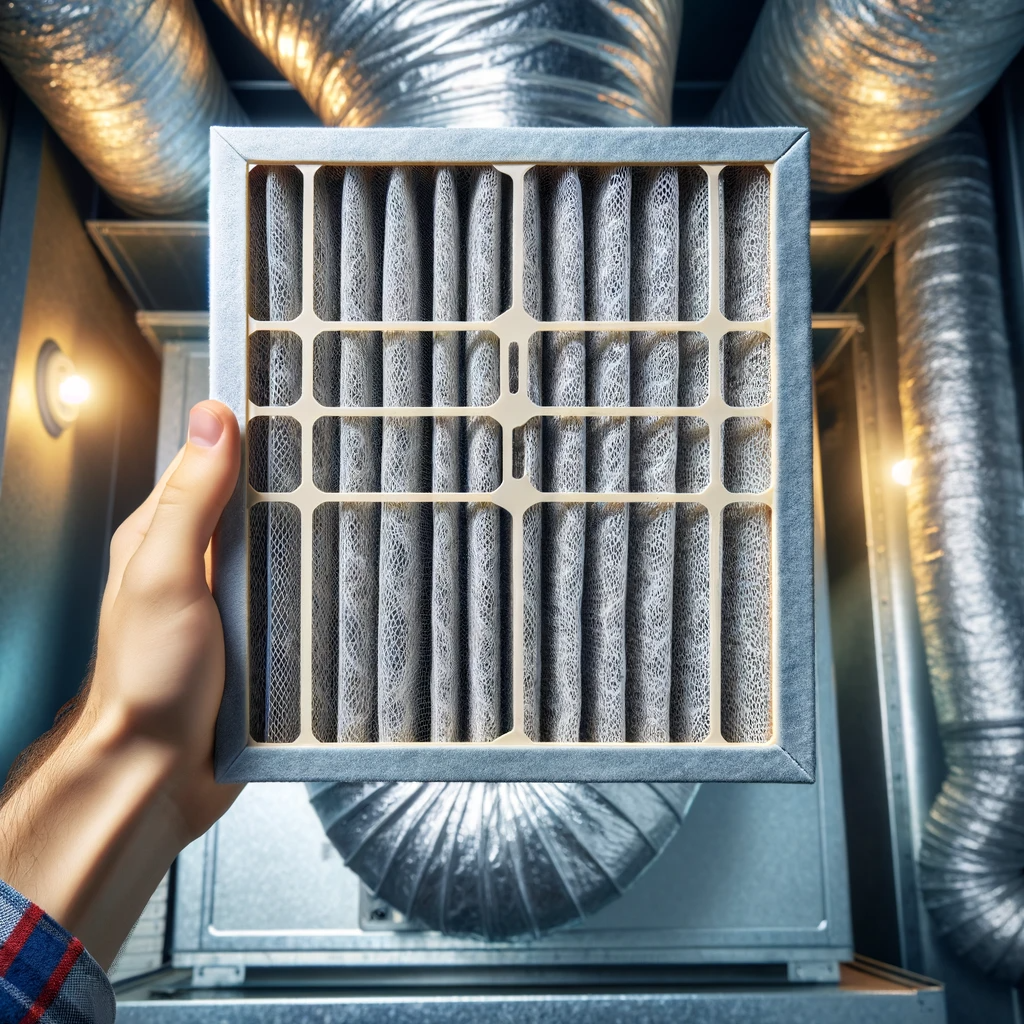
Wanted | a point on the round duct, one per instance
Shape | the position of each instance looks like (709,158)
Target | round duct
(874,80)
(481,63)
(965,503)
(499,860)
(132,89)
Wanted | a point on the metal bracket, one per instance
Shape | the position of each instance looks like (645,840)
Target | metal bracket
(818,972)
(218,975)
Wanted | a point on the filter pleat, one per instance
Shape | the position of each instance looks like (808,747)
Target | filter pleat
(359,444)
(655,371)
(690,715)
(604,598)
(746,460)
(564,525)
(533,520)
(401,661)
(281,662)
(484,457)
(446,661)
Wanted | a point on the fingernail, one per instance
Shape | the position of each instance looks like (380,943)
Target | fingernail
(204,429)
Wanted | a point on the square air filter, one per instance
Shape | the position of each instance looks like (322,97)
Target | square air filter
(526,485)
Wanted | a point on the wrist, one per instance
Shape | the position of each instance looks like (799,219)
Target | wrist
(90,832)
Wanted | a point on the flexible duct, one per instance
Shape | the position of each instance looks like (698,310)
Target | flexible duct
(132,89)
(481,63)
(874,80)
(499,861)
(966,517)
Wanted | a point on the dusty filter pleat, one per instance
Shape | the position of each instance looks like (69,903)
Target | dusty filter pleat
(655,373)
(604,608)
(533,520)
(402,584)
(359,442)
(483,443)
(690,715)
(446,593)
(280,667)
(564,465)
(746,466)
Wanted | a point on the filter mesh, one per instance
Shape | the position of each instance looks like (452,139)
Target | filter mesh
(565,465)
(483,462)
(443,606)
(447,664)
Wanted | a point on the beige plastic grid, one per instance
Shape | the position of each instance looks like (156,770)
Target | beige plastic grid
(515,326)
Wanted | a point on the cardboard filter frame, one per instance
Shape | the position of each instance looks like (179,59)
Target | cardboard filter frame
(788,754)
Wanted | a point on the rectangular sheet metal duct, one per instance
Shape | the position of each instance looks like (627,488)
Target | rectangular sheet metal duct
(528,454)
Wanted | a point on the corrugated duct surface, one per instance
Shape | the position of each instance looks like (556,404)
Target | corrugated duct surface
(966,513)
(874,80)
(490,860)
(131,87)
(482,63)
(499,861)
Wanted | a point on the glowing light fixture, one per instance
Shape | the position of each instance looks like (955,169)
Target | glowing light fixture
(60,390)
(74,390)
(902,472)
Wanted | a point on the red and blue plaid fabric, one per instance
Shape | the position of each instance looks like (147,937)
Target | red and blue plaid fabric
(46,976)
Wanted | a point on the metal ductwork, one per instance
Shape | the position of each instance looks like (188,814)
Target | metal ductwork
(874,80)
(131,87)
(485,63)
(499,860)
(966,519)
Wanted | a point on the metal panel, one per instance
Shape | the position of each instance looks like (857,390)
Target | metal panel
(185,381)
(162,264)
(843,255)
(866,992)
(790,754)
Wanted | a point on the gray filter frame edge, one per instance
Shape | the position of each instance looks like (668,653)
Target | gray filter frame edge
(522,749)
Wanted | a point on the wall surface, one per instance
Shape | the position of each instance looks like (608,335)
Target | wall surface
(60,498)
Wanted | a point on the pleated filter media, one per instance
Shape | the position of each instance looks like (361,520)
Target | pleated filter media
(526,478)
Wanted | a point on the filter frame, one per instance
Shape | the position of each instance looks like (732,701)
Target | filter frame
(789,756)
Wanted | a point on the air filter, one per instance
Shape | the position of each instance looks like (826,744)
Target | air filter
(526,492)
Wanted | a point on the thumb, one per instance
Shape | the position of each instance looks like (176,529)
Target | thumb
(195,494)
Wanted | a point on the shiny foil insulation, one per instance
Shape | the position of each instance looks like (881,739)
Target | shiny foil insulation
(131,87)
(874,80)
(486,63)
(499,860)
(966,526)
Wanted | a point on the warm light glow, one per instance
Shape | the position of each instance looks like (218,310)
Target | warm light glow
(902,472)
(74,390)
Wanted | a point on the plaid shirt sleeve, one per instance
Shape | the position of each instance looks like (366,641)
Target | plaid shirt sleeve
(46,976)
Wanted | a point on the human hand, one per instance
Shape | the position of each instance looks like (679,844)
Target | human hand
(96,810)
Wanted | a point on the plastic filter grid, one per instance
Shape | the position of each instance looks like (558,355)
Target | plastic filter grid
(510,460)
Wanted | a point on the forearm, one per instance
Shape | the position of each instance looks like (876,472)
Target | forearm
(91,830)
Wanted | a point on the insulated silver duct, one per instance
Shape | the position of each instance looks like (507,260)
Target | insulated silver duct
(131,87)
(499,861)
(874,80)
(966,517)
(480,63)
